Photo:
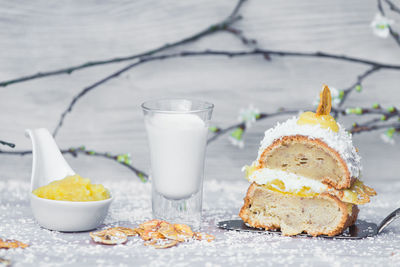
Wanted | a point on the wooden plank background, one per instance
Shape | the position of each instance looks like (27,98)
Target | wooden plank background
(42,35)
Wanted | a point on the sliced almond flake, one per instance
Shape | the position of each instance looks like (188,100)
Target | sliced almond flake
(203,236)
(162,243)
(169,231)
(151,225)
(157,235)
(184,230)
(12,244)
(5,262)
(126,230)
(162,234)
(109,237)
(148,234)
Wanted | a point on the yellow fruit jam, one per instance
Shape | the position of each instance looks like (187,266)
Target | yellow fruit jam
(357,194)
(278,186)
(73,188)
(249,170)
(326,121)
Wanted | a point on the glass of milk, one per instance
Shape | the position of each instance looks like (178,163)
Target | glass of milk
(177,136)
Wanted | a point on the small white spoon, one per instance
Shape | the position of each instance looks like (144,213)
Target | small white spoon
(49,165)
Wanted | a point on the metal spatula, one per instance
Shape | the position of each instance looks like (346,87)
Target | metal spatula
(361,229)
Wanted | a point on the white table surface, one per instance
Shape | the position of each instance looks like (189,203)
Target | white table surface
(223,200)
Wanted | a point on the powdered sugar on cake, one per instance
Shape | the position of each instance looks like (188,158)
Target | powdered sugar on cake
(340,141)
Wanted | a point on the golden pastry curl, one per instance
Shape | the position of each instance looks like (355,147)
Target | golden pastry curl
(359,193)
(325,101)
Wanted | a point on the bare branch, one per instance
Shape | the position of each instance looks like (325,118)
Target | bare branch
(392,6)
(7,144)
(220,26)
(263,116)
(239,34)
(230,54)
(75,151)
(358,82)
(361,128)
(394,34)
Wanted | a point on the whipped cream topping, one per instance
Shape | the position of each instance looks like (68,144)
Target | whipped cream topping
(293,182)
(340,141)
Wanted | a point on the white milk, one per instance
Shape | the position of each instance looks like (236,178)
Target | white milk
(177,146)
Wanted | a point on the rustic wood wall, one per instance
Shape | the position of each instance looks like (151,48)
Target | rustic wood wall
(41,35)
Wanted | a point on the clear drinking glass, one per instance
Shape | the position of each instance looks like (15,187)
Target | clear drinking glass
(177,135)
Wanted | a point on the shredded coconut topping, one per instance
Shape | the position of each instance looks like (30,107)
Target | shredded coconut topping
(340,141)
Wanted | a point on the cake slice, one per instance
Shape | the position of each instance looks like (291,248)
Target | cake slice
(306,177)
(323,214)
(308,157)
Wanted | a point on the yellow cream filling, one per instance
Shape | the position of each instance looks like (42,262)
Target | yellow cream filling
(357,194)
(279,186)
(73,188)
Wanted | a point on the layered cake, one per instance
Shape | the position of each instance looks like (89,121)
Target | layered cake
(306,178)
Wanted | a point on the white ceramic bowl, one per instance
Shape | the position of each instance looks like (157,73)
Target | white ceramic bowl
(69,216)
(48,165)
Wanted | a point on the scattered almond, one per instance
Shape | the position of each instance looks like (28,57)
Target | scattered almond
(5,262)
(12,244)
(162,243)
(109,237)
(155,233)
(152,225)
(184,230)
(203,236)
(126,230)
(169,232)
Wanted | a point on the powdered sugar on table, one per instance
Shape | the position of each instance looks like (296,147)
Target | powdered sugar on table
(223,200)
